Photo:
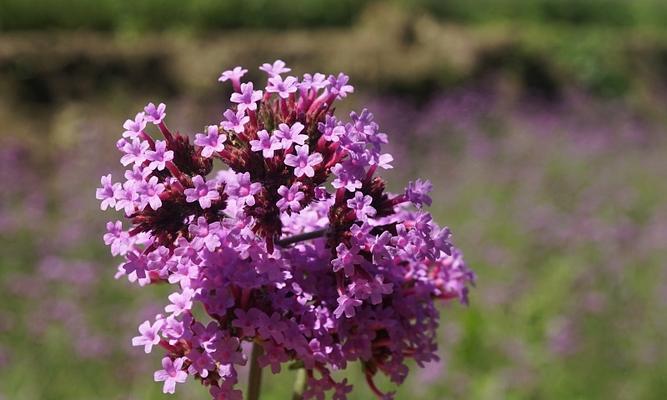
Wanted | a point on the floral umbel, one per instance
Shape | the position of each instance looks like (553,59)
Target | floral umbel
(294,245)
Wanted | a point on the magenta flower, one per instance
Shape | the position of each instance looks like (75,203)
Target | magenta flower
(107,193)
(303,162)
(116,238)
(171,374)
(361,205)
(244,190)
(155,114)
(160,156)
(278,67)
(235,121)
(319,276)
(180,302)
(211,142)
(204,192)
(417,192)
(149,193)
(290,197)
(265,143)
(315,82)
(331,130)
(135,152)
(234,75)
(248,98)
(346,305)
(339,87)
(282,87)
(290,134)
(133,128)
(149,335)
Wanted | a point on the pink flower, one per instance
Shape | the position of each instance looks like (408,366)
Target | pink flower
(204,192)
(155,114)
(160,156)
(361,205)
(290,134)
(302,162)
(278,67)
(107,193)
(133,128)
(235,121)
(150,335)
(212,141)
(171,374)
(282,87)
(290,197)
(265,143)
(248,98)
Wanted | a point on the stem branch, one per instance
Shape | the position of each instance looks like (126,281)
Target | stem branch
(299,384)
(255,377)
(301,237)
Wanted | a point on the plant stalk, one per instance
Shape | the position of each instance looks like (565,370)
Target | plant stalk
(299,384)
(301,237)
(255,376)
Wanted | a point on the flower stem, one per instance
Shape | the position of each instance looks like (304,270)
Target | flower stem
(299,384)
(255,377)
(301,237)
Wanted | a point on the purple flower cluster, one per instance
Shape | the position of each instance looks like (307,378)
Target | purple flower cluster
(294,246)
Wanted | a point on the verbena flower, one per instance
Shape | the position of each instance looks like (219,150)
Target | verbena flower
(295,245)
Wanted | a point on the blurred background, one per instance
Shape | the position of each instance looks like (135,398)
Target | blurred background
(541,123)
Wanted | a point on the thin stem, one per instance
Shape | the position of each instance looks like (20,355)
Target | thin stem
(299,384)
(301,237)
(255,377)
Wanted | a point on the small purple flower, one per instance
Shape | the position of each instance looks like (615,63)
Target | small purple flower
(282,87)
(331,130)
(248,98)
(135,152)
(278,67)
(201,364)
(290,198)
(316,82)
(212,141)
(117,238)
(338,85)
(346,306)
(235,121)
(204,192)
(226,351)
(171,374)
(273,356)
(234,74)
(180,302)
(155,114)
(133,128)
(290,134)
(136,262)
(149,335)
(265,143)
(346,259)
(302,162)
(126,198)
(107,193)
(361,205)
(160,156)
(417,192)
(243,189)
(149,193)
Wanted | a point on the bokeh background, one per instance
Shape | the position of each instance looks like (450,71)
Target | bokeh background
(540,122)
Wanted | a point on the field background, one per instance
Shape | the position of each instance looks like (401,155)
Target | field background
(540,122)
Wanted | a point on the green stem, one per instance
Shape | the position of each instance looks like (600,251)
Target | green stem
(299,384)
(255,377)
